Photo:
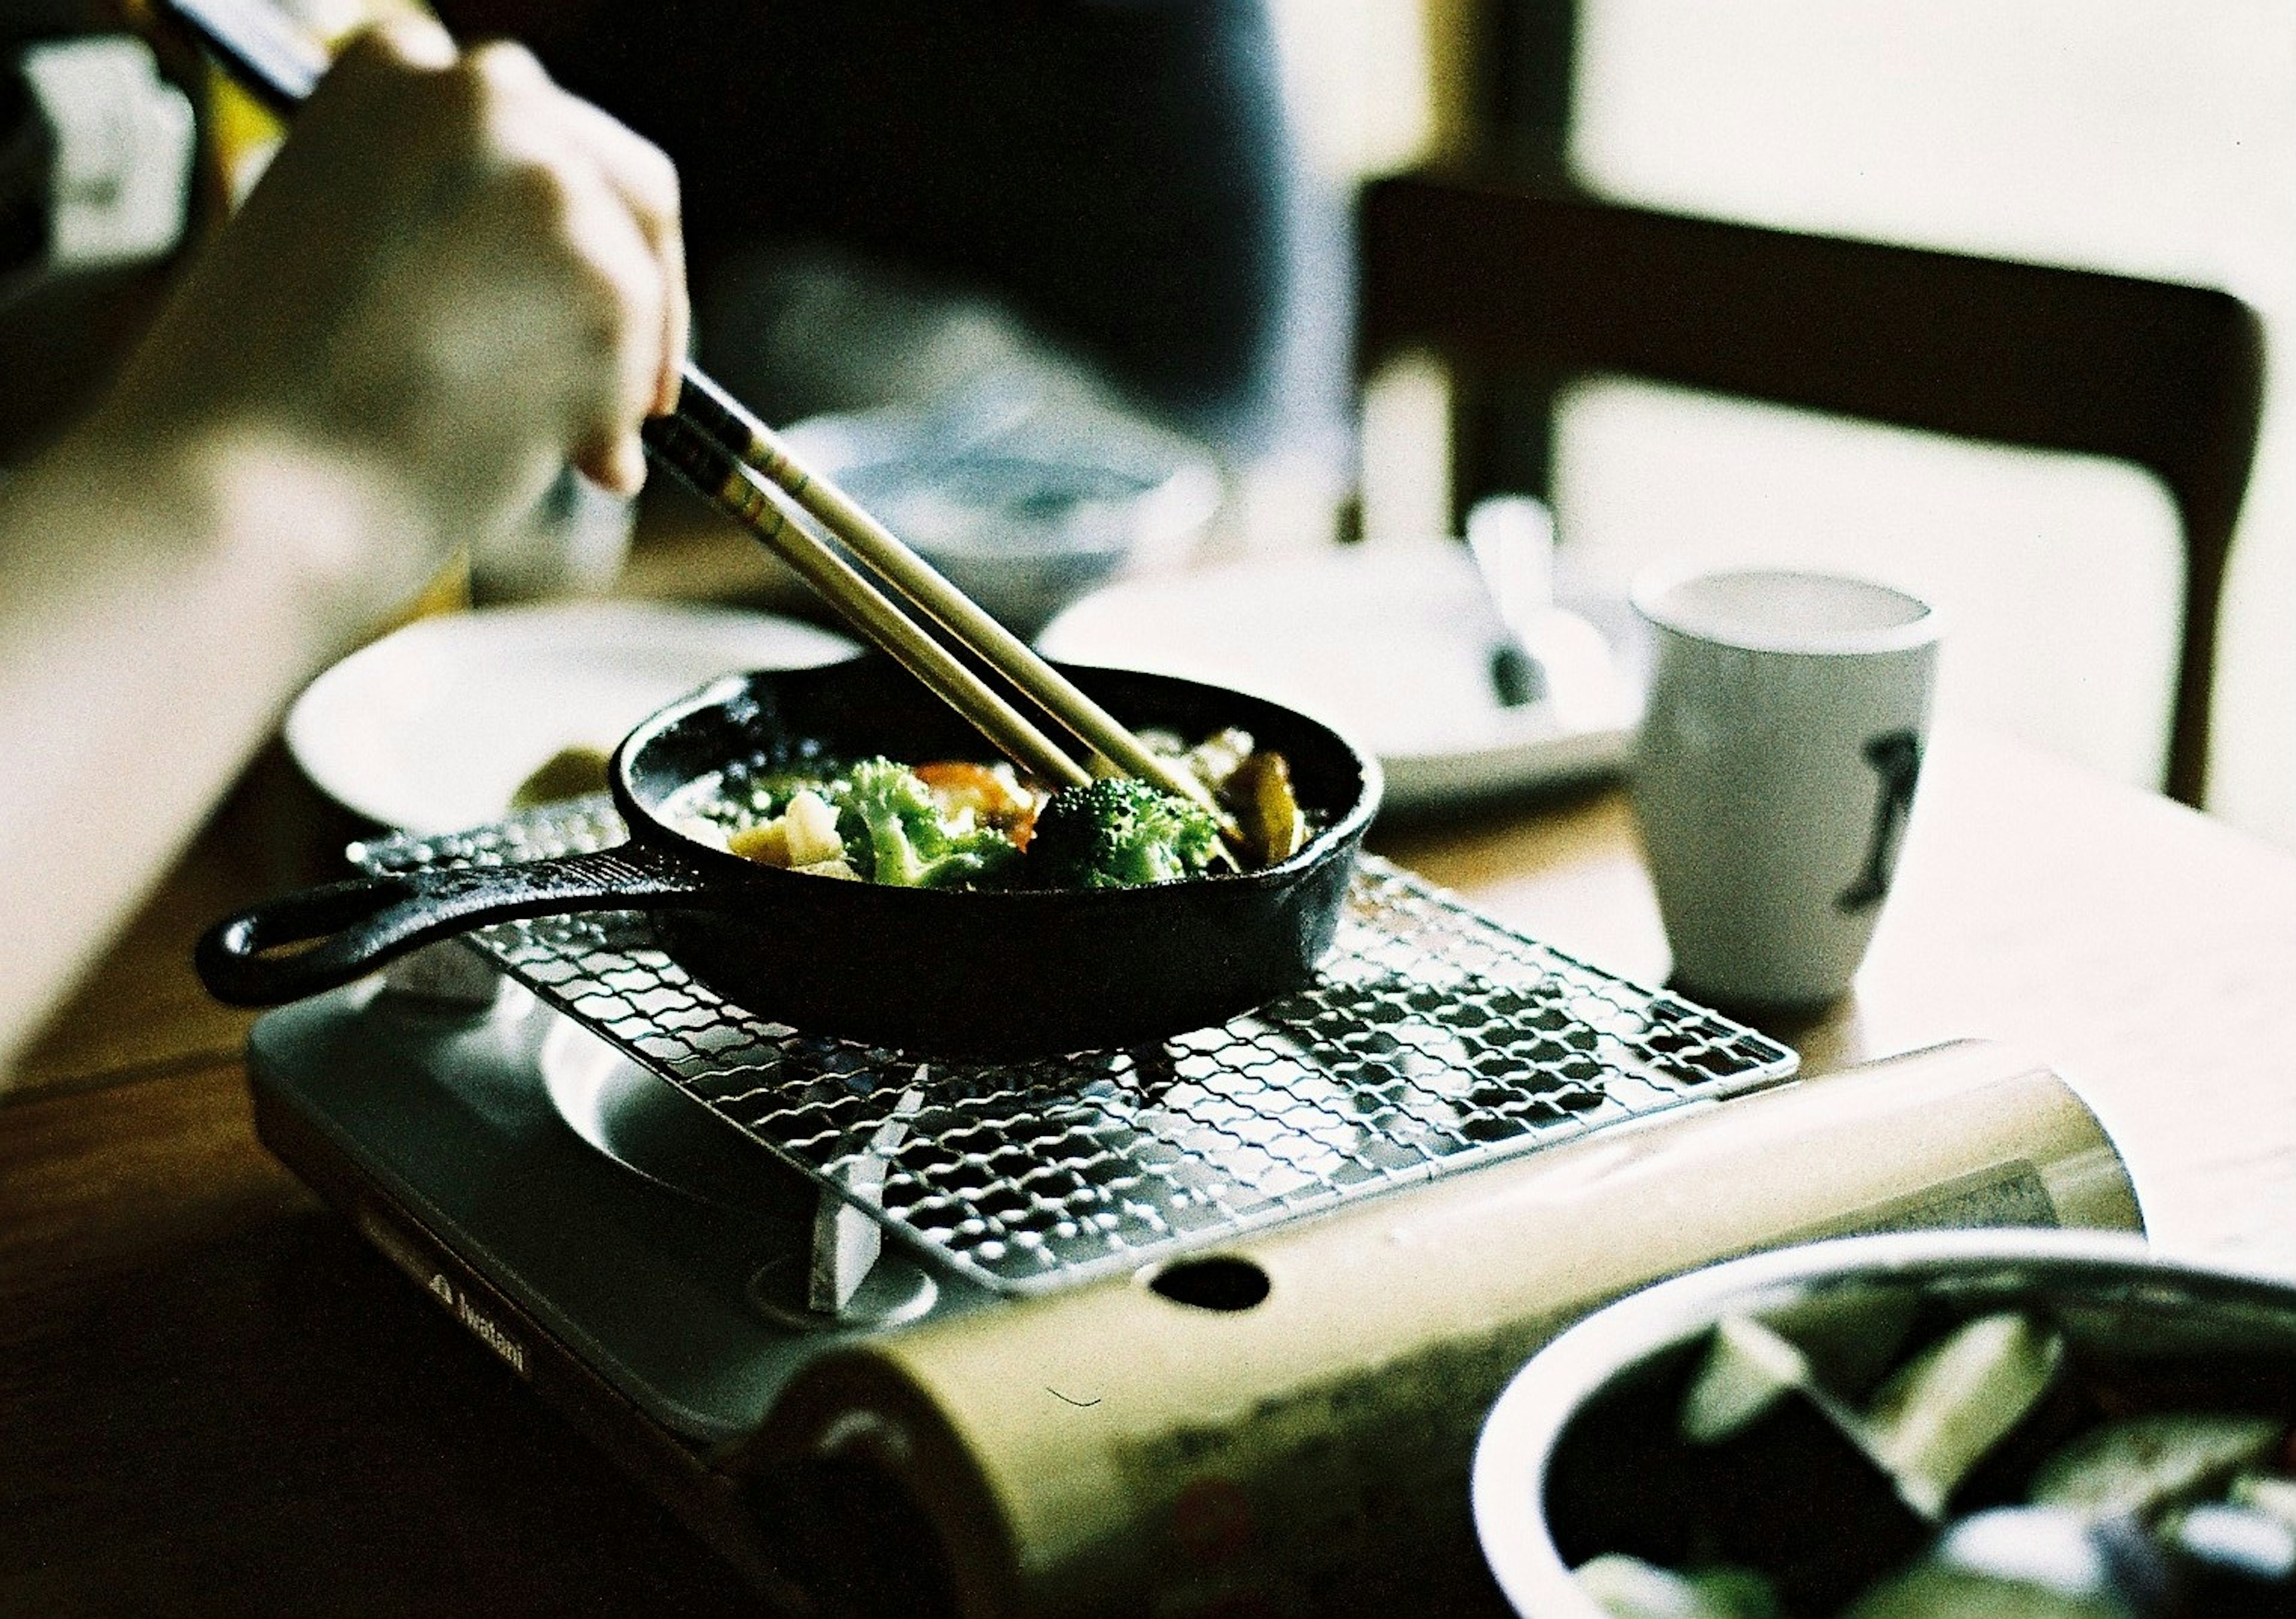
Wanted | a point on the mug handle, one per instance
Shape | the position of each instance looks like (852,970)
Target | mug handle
(321,938)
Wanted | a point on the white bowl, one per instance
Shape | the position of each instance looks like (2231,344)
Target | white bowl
(432,728)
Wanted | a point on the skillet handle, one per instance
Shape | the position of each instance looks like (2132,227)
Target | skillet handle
(348,930)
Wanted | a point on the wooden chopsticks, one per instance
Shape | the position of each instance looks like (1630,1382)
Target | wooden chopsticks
(743,493)
(704,405)
(738,463)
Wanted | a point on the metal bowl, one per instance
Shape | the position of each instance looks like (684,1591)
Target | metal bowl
(1549,1446)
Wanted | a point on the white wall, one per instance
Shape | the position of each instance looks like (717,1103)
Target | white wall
(2152,137)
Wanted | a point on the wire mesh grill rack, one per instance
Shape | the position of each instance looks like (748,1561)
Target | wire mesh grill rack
(1434,1041)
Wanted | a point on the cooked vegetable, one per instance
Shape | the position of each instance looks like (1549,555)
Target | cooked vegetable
(1211,761)
(991,793)
(2148,1514)
(1951,1404)
(2276,1496)
(2030,1560)
(2138,1465)
(1747,1370)
(1259,791)
(1117,833)
(812,831)
(894,831)
(2238,1543)
(767,842)
(954,823)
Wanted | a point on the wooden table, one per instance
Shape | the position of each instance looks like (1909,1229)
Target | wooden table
(215,1400)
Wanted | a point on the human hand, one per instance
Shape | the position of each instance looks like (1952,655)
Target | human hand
(455,278)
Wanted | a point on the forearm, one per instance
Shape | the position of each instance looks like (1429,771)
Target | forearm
(163,604)
(452,283)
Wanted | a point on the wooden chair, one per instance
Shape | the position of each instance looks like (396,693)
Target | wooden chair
(1494,279)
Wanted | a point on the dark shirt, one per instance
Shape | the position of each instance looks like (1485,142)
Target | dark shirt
(1120,170)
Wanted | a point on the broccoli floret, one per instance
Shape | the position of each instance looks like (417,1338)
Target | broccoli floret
(894,832)
(1117,833)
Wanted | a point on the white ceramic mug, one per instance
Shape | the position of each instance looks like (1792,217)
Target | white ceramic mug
(1775,771)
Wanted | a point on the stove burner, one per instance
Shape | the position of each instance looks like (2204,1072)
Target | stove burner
(641,1121)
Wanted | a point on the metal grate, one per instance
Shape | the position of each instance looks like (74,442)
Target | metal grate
(1435,1041)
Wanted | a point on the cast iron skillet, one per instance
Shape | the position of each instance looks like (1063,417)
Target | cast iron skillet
(1001,974)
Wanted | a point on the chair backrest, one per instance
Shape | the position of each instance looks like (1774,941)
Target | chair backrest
(2164,377)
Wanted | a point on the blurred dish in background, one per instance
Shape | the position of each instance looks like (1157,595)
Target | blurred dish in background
(1394,647)
(433,728)
(1024,500)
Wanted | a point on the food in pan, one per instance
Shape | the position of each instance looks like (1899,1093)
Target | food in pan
(874,821)
(2003,1464)
(959,825)
(1118,833)
(1006,969)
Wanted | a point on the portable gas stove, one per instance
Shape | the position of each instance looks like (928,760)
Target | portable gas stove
(661,1210)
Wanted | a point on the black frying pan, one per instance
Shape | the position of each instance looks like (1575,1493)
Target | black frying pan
(1004,974)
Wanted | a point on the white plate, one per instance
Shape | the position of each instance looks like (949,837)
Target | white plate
(1391,646)
(432,728)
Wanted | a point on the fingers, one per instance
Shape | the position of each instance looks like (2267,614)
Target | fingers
(410,38)
(394,47)
(521,292)
(619,221)
(622,284)
(647,180)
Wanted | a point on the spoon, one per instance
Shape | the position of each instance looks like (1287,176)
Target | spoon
(1512,537)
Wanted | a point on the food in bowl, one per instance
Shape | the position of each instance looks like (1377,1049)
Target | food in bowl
(1908,1428)
(957,823)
